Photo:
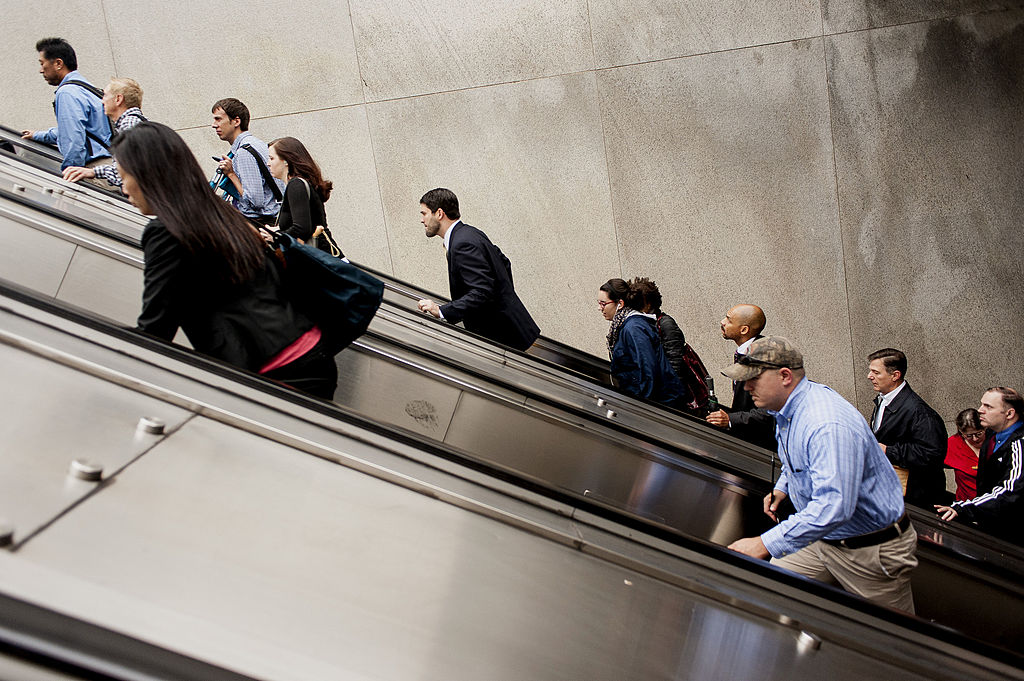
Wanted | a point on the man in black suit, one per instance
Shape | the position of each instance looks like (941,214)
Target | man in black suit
(743,325)
(911,433)
(479,277)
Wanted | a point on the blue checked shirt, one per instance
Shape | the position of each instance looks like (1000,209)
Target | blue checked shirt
(833,470)
(257,198)
(126,121)
(78,111)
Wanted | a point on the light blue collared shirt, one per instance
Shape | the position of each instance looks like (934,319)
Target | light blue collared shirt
(78,111)
(833,470)
(257,197)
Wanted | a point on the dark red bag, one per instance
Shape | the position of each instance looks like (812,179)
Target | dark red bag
(695,374)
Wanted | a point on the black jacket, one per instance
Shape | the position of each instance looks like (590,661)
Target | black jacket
(999,507)
(674,343)
(749,422)
(483,297)
(244,325)
(915,438)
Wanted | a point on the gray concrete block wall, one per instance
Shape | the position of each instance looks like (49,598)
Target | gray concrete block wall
(852,166)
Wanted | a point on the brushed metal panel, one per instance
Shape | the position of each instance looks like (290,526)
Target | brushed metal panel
(52,415)
(32,259)
(577,457)
(103,285)
(395,394)
(235,549)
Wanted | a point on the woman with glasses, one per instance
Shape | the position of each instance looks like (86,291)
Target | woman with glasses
(962,450)
(638,362)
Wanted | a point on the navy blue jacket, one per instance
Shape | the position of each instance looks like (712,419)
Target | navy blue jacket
(639,364)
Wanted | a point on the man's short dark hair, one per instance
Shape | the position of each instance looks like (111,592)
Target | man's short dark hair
(1011,398)
(893,359)
(58,48)
(234,109)
(444,199)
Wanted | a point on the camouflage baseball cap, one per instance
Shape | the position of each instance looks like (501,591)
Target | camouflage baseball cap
(773,352)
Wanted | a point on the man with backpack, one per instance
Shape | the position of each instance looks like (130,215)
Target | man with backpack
(82,133)
(246,177)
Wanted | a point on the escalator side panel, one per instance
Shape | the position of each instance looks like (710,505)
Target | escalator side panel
(593,465)
(394,394)
(103,285)
(33,258)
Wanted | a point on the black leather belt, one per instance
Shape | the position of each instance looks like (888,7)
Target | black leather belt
(873,538)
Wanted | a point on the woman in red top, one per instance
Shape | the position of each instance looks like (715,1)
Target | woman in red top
(962,453)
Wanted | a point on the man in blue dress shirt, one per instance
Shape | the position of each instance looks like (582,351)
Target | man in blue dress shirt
(82,134)
(850,526)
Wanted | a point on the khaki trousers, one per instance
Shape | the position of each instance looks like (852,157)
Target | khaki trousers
(879,573)
(99,181)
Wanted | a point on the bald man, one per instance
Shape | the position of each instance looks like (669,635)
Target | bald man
(743,325)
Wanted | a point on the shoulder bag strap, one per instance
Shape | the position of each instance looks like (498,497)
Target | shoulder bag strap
(265,172)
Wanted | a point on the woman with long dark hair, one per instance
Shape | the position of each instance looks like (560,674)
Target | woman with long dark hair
(208,272)
(638,362)
(302,210)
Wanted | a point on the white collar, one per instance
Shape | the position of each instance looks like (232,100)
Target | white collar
(891,395)
(744,347)
(448,234)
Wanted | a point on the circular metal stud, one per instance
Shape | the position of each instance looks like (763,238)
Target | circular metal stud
(807,642)
(611,414)
(152,424)
(86,470)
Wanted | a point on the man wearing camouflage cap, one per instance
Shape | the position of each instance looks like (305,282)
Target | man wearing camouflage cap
(850,526)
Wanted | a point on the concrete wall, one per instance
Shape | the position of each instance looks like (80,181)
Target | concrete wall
(853,166)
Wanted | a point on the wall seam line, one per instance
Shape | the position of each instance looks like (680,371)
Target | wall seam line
(110,38)
(604,142)
(839,207)
(369,135)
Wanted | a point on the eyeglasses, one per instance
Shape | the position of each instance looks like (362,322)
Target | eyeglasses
(602,303)
(977,435)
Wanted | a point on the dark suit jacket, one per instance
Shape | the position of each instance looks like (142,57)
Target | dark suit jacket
(915,439)
(483,298)
(748,422)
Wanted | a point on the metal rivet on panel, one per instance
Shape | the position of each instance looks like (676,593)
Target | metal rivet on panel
(611,414)
(48,190)
(19,188)
(601,402)
(86,470)
(152,424)
(807,642)
(6,534)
